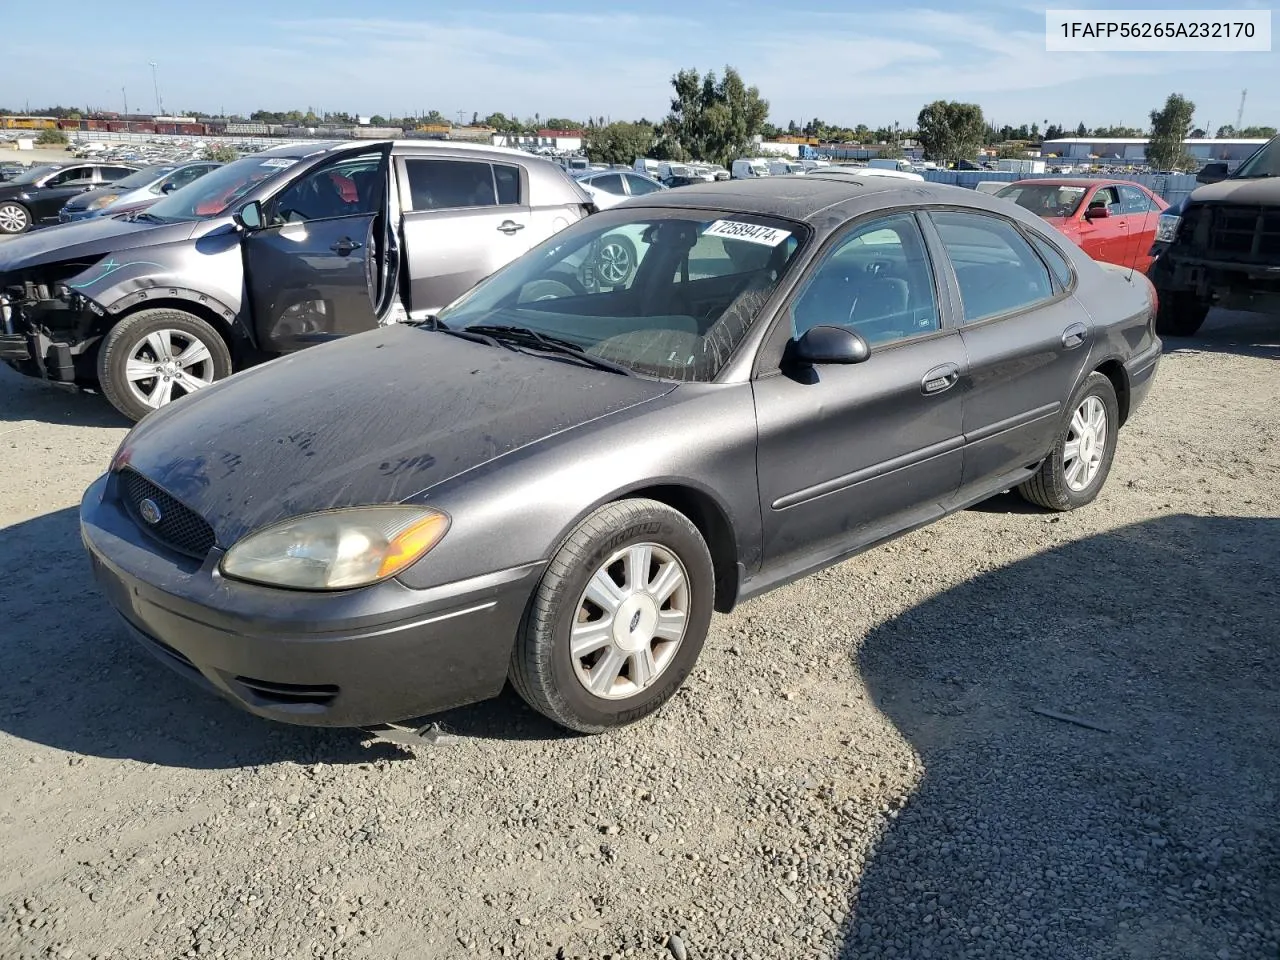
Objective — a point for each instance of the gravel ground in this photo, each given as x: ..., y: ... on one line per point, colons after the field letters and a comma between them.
x: 856, y: 769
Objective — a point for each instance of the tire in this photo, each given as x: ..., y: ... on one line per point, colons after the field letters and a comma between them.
x: 131, y: 339
x: 615, y: 260
x: 1180, y: 315
x: 14, y: 218
x: 545, y: 290
x: 545, y: 672
x: 1054, y: 487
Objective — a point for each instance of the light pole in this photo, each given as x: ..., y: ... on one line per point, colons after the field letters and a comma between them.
x: 125, y: 97
x: 156, y: 83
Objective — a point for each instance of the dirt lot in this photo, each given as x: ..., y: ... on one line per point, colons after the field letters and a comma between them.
x: 857, y: 769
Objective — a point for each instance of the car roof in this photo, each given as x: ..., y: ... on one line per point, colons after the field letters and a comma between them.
x: 1074, y: 182
x: 826, y: 204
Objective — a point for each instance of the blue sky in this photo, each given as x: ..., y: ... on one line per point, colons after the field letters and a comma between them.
x: 847, y: 62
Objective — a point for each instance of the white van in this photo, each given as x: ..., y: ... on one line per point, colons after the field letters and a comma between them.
x: 646, y: 166
x: 748, y: 167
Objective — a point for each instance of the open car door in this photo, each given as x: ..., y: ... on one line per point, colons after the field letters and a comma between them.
x: 324, y: 261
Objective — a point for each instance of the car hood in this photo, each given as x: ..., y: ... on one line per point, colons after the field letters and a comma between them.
x: 82, y: 200
x: 373, y: 418
x: 1264, y: 191
x: 86, y: 238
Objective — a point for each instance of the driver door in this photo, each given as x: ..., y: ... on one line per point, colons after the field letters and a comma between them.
x: 313, y: 270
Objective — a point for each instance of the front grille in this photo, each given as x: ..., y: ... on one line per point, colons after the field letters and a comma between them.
x: 298, y: 695
x: 1241, y: 233
x: 179, y: 527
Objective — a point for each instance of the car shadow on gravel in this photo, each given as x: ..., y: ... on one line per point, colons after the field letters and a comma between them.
x: 1235, y: 332
x: 23, y: 398
x: 71, y: 679
x: 1146, y: 830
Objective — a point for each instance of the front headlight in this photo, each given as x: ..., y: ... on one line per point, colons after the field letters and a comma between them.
x: 337, y: 550
x: 104, y: 201
x: 1167, y: 228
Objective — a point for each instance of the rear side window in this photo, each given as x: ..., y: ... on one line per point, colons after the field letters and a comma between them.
x: 1058, y: 265
x: 1133, y: 200
x: 449, y: 184
x: 609, y: 183
x: 996, y: 268
x: 507, y: 177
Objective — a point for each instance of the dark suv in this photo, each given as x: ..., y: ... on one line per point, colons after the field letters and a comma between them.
x: 1221, y: 245
x: 34, y: 197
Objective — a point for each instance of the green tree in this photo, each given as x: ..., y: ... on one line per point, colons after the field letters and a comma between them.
x: 51, y: 136
x: 1082, y: 130
x: 561, y: 123
x: 949, y: 130
x: 1257, y: 133
x: 619, y: 142
x: 1225, y: 131
x: 221, y: 153
x: 890, y: 151
x: 714, y: 120
x: 1169, y: 128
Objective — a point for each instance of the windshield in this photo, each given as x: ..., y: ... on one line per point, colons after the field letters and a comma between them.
x: 34, y: 174
x: 144, y: 177
x: 1264, y: 163
x: 215, y: 192
x: 1045, y: 199
x: 668, y: 295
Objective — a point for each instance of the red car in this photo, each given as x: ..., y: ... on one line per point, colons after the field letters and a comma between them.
x: 1113, y: 221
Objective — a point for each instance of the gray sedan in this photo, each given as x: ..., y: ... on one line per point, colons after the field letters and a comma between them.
x: 557, y: 484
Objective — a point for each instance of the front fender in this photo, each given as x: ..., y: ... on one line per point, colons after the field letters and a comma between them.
x: 208, y: 271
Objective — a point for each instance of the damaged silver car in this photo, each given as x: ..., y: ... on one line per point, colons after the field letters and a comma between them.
x: 266, y: 255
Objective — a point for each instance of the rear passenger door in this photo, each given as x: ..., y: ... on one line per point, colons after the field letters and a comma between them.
x: 1025, y: 337
x: 462, y: 220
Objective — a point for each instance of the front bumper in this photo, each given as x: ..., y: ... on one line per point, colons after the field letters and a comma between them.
x: 355, y: 658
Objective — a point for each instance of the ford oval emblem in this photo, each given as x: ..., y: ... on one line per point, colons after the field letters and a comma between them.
x: 150, y: 511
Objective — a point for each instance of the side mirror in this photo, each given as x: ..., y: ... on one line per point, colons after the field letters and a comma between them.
x: 169, y: 187
x: 1099, y: 212
x: 249, y: 217
x: 1212, y: 172
x: 820, y: 345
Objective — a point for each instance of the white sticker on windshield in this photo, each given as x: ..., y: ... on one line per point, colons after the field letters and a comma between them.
x: 278, y: 162
x: 750, y: 232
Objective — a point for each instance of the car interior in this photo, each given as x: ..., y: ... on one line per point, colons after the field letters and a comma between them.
x: 685, y: 309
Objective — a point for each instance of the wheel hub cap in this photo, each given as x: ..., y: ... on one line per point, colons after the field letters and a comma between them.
x: 1086, y: 444
x: 635, y: 623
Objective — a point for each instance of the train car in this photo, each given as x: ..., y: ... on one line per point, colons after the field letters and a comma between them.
x: 193, y: 128
x: 169, y: 128
x: 141, y: 126
x: 68, y: 124
x: 117, y: 126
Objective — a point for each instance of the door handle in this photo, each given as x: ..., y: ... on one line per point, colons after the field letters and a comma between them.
x: 344, y: 246
x: 1075, y: 335
x: 940, y: 379
x: 509, y: 227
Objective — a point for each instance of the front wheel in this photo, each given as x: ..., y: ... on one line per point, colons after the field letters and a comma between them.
x: 153, y: 357
x: 615, y: 260
x: 1180, y: 315
x: 619, y: 618
x: 1074, y: 472
x: 14, y: 218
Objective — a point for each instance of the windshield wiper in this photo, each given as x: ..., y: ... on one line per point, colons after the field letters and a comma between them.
x: 148, y: 217
x: 437, y: 325
x: 526, y: 337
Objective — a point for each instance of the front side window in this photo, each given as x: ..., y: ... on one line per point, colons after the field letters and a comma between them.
x: 116, y: 174
x: 350, y: 187
x: 877, y: 281
x: 1108, y: 197
x: 450, y: 184
x: 72, y: 176
x: 668, y: 296
x: 995, y: 267
x: 640, y: 186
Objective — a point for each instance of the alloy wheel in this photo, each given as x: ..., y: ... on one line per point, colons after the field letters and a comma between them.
x: 13, y: 218
x: 165, y: 361
x: 613, y: 264
x: 1086, y: 444
x: 631, y: 619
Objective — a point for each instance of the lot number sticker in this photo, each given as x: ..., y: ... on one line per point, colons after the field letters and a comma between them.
x: 750, y: 232
x: 280, y: 162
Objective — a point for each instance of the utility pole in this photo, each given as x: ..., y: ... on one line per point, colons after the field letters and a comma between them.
x: 1240, y: 112
x: 461, y: 115
x: 125, y: 97
x: 156, y: 83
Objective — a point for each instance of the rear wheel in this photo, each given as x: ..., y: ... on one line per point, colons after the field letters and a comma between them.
x: 615, y: 260
x: 153, y: 357
x: 1074, y: 472
x: 619, y: 618
x: 14, y: 218
x: 1180, y: 315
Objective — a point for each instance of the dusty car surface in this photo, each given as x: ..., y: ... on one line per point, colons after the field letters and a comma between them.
x: 266, y: 255
x: 559, y: 487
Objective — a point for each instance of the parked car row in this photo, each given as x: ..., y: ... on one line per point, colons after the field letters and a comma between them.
x: 550, y: 481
